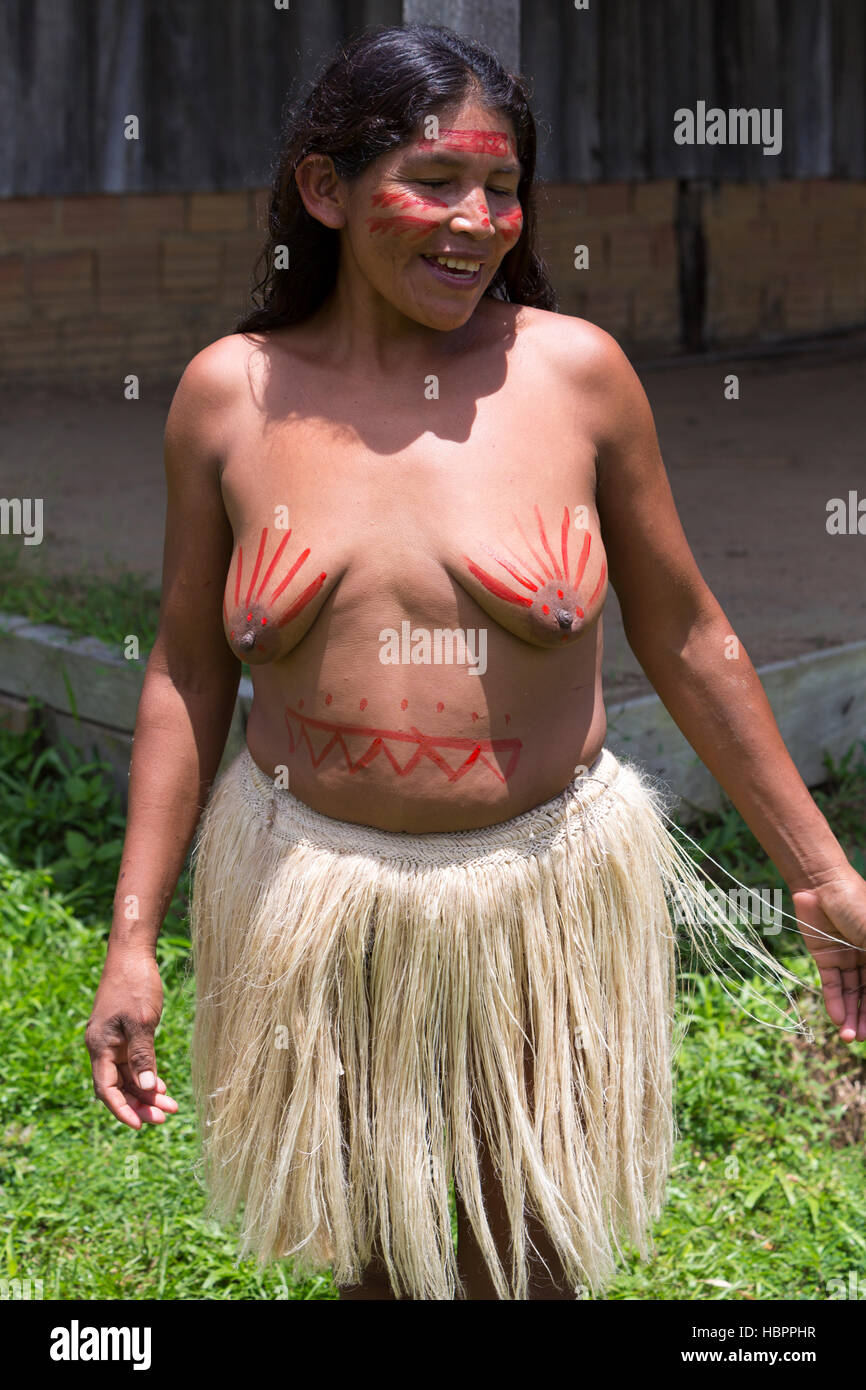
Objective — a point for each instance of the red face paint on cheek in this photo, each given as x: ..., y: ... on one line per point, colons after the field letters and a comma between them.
x: 414, y: 227
x: 397, y: 199
x: 510, y: 224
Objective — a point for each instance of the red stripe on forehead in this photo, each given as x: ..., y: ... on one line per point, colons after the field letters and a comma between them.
x: 474, y: 141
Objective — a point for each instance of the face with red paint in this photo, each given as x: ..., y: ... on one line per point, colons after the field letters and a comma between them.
x: 425, y: 228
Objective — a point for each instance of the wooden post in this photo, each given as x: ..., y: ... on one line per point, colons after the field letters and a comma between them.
x: 494, y: 22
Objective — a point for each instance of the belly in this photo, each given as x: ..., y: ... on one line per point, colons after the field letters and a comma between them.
x: 417, y: 728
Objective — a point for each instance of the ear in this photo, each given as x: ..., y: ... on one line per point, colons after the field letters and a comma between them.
x: 321, y: 189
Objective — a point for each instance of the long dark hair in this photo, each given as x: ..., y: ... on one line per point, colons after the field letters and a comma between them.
x: 369, y: 99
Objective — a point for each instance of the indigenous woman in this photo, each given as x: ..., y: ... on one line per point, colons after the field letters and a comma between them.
x: 434, y: 916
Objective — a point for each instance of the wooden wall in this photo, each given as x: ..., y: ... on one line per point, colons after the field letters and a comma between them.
x: 207, y: 79
x: 608, y: 80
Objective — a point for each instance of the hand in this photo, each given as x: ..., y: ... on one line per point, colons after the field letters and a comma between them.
x: 838, y: 907
x: 119, y: 1038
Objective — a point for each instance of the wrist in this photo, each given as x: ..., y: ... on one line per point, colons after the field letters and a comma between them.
x: 127, y: 941
x: 814, y: 877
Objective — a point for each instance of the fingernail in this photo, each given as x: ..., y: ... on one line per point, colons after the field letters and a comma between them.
x: 146, y: 1080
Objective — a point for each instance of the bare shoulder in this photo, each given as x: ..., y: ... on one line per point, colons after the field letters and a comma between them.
x: 214, y: 385
x: 584, y: 358
x: 574, y: 344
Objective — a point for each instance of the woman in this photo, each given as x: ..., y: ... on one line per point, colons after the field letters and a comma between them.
x: 430, y: 909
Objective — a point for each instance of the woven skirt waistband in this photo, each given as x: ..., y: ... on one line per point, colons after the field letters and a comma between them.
x: 586, y: 797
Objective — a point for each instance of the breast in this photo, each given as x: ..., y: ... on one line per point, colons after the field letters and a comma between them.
x: 544, y: 578
x: 274, y: 591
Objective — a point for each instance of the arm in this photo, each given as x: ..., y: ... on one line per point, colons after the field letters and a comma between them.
x: 682, y: 639
x: 184, y: 713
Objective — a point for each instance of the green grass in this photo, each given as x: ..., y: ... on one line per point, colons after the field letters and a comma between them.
x: 767, y: 1198
x: 85, y: 604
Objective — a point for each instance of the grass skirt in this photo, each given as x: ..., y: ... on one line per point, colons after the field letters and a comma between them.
x: 368, y: 1001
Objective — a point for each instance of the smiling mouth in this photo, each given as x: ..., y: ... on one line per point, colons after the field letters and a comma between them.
x: 457, y: 269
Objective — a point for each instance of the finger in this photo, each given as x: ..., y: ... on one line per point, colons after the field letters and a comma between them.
x: 142, y: 1099
x: 141, y: 1057
x: 831, y: 983
x: 148, y: 1113
x: 851, y: 999
x: 166, y: 1103
x: 106, y: 1088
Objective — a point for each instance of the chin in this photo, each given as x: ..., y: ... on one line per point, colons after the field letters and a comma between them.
x: 444, y: 320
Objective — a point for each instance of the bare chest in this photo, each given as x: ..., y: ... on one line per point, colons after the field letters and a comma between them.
x: 392, y: 512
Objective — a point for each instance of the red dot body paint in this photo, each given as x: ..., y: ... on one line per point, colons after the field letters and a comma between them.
x: 552, y: 576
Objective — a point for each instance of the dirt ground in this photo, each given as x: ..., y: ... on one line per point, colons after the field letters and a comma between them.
x: 751, y: 478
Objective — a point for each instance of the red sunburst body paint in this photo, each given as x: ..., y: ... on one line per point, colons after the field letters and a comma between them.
x: 554, y: 608
x: 248, y: 621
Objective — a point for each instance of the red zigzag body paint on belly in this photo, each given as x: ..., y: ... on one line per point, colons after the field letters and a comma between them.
x: 403, y: 749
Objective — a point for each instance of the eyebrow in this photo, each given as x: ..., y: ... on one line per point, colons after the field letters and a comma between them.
x: 431, y: 157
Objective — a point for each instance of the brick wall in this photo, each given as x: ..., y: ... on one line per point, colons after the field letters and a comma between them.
x: 97, y: 287
x: 106, y: 285
x: 785, y: 259
x: 630, y: 286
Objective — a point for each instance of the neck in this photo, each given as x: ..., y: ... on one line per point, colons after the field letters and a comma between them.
x: 364, y: 331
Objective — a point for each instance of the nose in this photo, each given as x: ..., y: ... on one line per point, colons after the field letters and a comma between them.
x: 474, y: 216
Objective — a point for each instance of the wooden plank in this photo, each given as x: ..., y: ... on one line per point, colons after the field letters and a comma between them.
x: 619, y: 107
x: 544, y: 39
x: 114, y: 51
x: 579, y: 133
x: 663, y: 90
x: 48, y: 663
x: 16, y: 716
x: 806, y: 48
x: 848, y: 71
x: 818, y: 700
x: 680, y: 89
x: 495, y: 23
x: 760, y: 78
x: 363, y: 14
